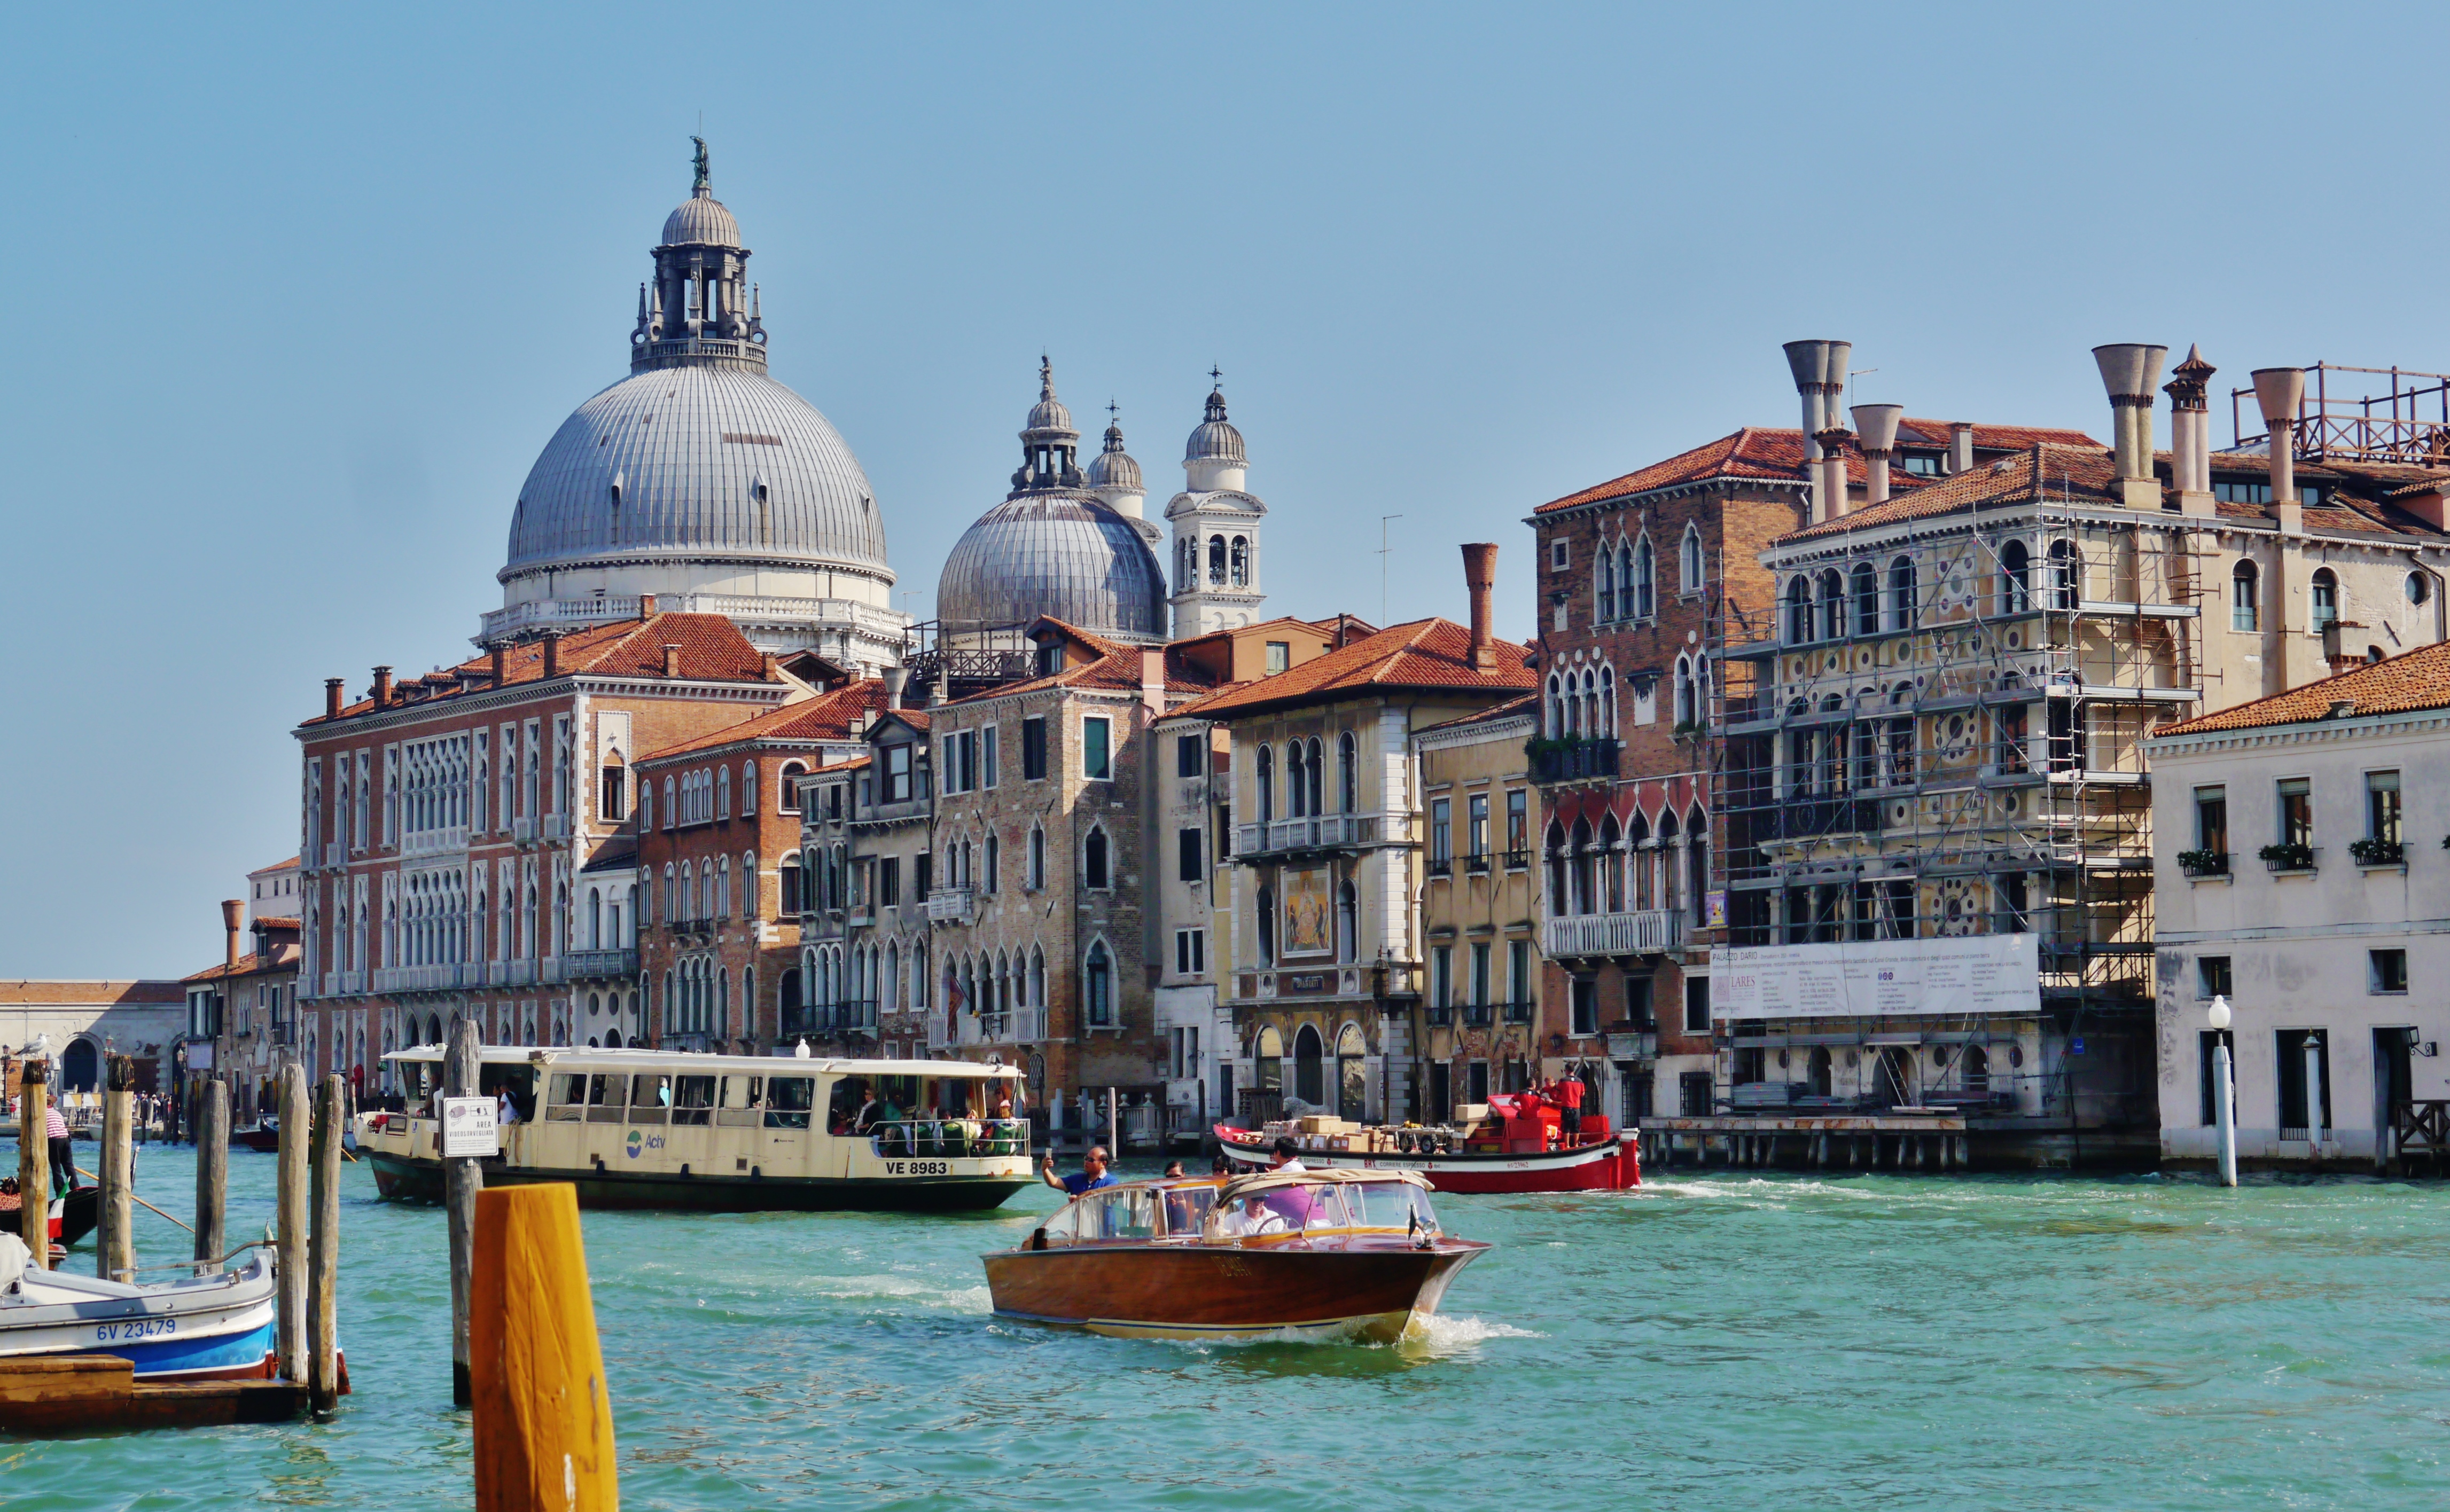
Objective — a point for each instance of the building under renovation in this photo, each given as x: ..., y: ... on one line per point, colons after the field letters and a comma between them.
x: 1937, y: 857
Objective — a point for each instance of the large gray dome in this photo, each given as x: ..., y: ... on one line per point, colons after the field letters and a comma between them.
x: 696, y: 463
x: 1054, y: 553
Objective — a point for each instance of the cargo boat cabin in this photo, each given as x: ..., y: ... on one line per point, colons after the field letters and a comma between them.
x: 729, y: 1133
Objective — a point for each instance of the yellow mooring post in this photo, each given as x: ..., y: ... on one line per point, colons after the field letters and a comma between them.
x: 543, y: 1416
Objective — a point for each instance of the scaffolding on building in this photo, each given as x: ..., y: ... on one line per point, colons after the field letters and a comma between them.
x: 1937, y: 731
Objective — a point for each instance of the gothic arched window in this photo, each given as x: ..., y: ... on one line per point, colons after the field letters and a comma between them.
x: 1241, y: 562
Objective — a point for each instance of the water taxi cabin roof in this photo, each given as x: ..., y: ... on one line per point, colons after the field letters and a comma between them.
x: 1258, y: 1181
x: 682, y: 1064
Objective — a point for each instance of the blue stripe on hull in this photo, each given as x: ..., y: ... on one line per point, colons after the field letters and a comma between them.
x: 225, y: 1352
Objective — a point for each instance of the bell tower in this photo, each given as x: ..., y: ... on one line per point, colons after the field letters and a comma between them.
x: 1215, y: 521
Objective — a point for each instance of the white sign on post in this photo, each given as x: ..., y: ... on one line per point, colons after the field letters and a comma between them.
x: 468, y: 1129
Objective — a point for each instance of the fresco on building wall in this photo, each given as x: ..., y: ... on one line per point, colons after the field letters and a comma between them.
x: 1309, y: 926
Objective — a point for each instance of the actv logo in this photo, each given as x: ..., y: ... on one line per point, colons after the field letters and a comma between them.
x: 636, y: 1143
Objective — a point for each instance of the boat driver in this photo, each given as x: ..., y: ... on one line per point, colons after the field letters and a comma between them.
x: 1092, y: 1174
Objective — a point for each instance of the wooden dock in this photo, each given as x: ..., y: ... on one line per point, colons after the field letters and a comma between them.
x: 87, y: 1393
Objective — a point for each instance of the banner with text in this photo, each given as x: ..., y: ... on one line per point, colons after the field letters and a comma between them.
x: 1968, y: 974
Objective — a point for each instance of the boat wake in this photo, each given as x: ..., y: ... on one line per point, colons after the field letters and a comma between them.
x: 1440, y: 1335
x: 897, y: 1288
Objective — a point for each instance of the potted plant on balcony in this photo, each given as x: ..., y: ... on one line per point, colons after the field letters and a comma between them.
x: 2377, y: 852
x: 2204, y: 863
x: 2287, y: 856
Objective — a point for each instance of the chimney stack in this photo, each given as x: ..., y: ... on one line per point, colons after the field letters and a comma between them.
x: 231, y: 910
x: 896, y: 679
x: 383, y: 687
x: 2190, y: 446
x: 2280, y: 391
x: 672, y: 659
x: 501, y: 668
x: 1960, y: 447
x: 1829, y: 490
x: 1820, y: 369
x: 1153, y: 680
x: 2131, y: 371
x: 551, y: 654
x: 1480, y: 577
x: 646, y: 606
x: 1878, y: 425
x: 333, y: 696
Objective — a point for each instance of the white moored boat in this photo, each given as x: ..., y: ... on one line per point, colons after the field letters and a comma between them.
x: 207, y: 1327
x: 726, y: 1134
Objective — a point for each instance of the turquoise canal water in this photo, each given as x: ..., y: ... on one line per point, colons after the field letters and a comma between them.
x: 1736, y: 1341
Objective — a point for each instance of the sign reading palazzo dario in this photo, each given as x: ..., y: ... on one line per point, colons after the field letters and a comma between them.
x: 1970, y: 974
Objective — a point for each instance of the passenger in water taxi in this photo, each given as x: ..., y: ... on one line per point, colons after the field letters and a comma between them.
x: 1092, y: 1174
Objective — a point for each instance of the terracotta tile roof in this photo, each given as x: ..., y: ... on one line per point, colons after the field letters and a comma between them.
x: 1769, y: 452
x: 1428, y: 655
x: 81, y: 994
x: 712, y: 649
x: 851, y: 766
x: 2082, y: 473
x: 281, y: 958
x: 276, y: 922
x: 828, y: 716
x: 1117, y: 668
x: 277, y: 865
x: 1527, y: 703
x: 2414, y: 680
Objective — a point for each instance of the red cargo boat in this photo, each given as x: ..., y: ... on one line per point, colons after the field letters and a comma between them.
x: 1517, y: 1148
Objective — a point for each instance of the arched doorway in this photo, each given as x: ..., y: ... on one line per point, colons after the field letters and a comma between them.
x: 1977, y: 1071
x: 80, y: 1067
x: 1892, y: 1080
x: 1269, y: 1060
x: 1351, y: 1080
x: 1309, y: 1066
x: 1819, y: 1072
x: 612, y: 1039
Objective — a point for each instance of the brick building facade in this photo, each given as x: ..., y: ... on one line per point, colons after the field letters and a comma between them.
x: 447, y: 822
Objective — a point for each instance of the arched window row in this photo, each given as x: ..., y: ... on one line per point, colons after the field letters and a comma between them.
x: 1647, y: 865
x: 1582, y: 702
x: 1625, y: 580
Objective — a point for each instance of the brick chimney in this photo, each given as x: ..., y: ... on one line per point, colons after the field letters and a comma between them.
x: 231, y: 909
x: 765, y: 667
x: 646, y: 606
x: 552, y: 653
x: 672, y: 659
x: 1153, y: 680
x: 383, y: 687
x: 1480, y: 577
x: 501, y: 650
x: 333, y: 696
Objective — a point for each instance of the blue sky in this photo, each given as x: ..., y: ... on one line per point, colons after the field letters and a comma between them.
x: 298, y: 294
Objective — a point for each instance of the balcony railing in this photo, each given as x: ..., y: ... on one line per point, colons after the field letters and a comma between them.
x: 1441, y: 865
x: 1477, y: 1015
x: 1571, y: 761
x: 1644, y: 932
x: 335, y: 854
x: 1517, y: 860
x: 523, y: 828
x: 1476, y: 863
x: 584, y: 964
x: 557, y: 826
x: 950, y: 905
x: 1321, y: 832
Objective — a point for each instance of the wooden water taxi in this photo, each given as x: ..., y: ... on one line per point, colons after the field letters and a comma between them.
x: 720, y: 1133
x: 1310, y: 1254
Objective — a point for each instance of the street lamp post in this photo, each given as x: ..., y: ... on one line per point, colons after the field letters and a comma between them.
x: 2224, y: 1089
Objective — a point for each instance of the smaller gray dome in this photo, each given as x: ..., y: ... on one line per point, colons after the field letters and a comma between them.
x: 701, y: 220
x: 1114, y: 467
x: 1054, y: 553
x: 1048, y: 417
x: 1213, y: 440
